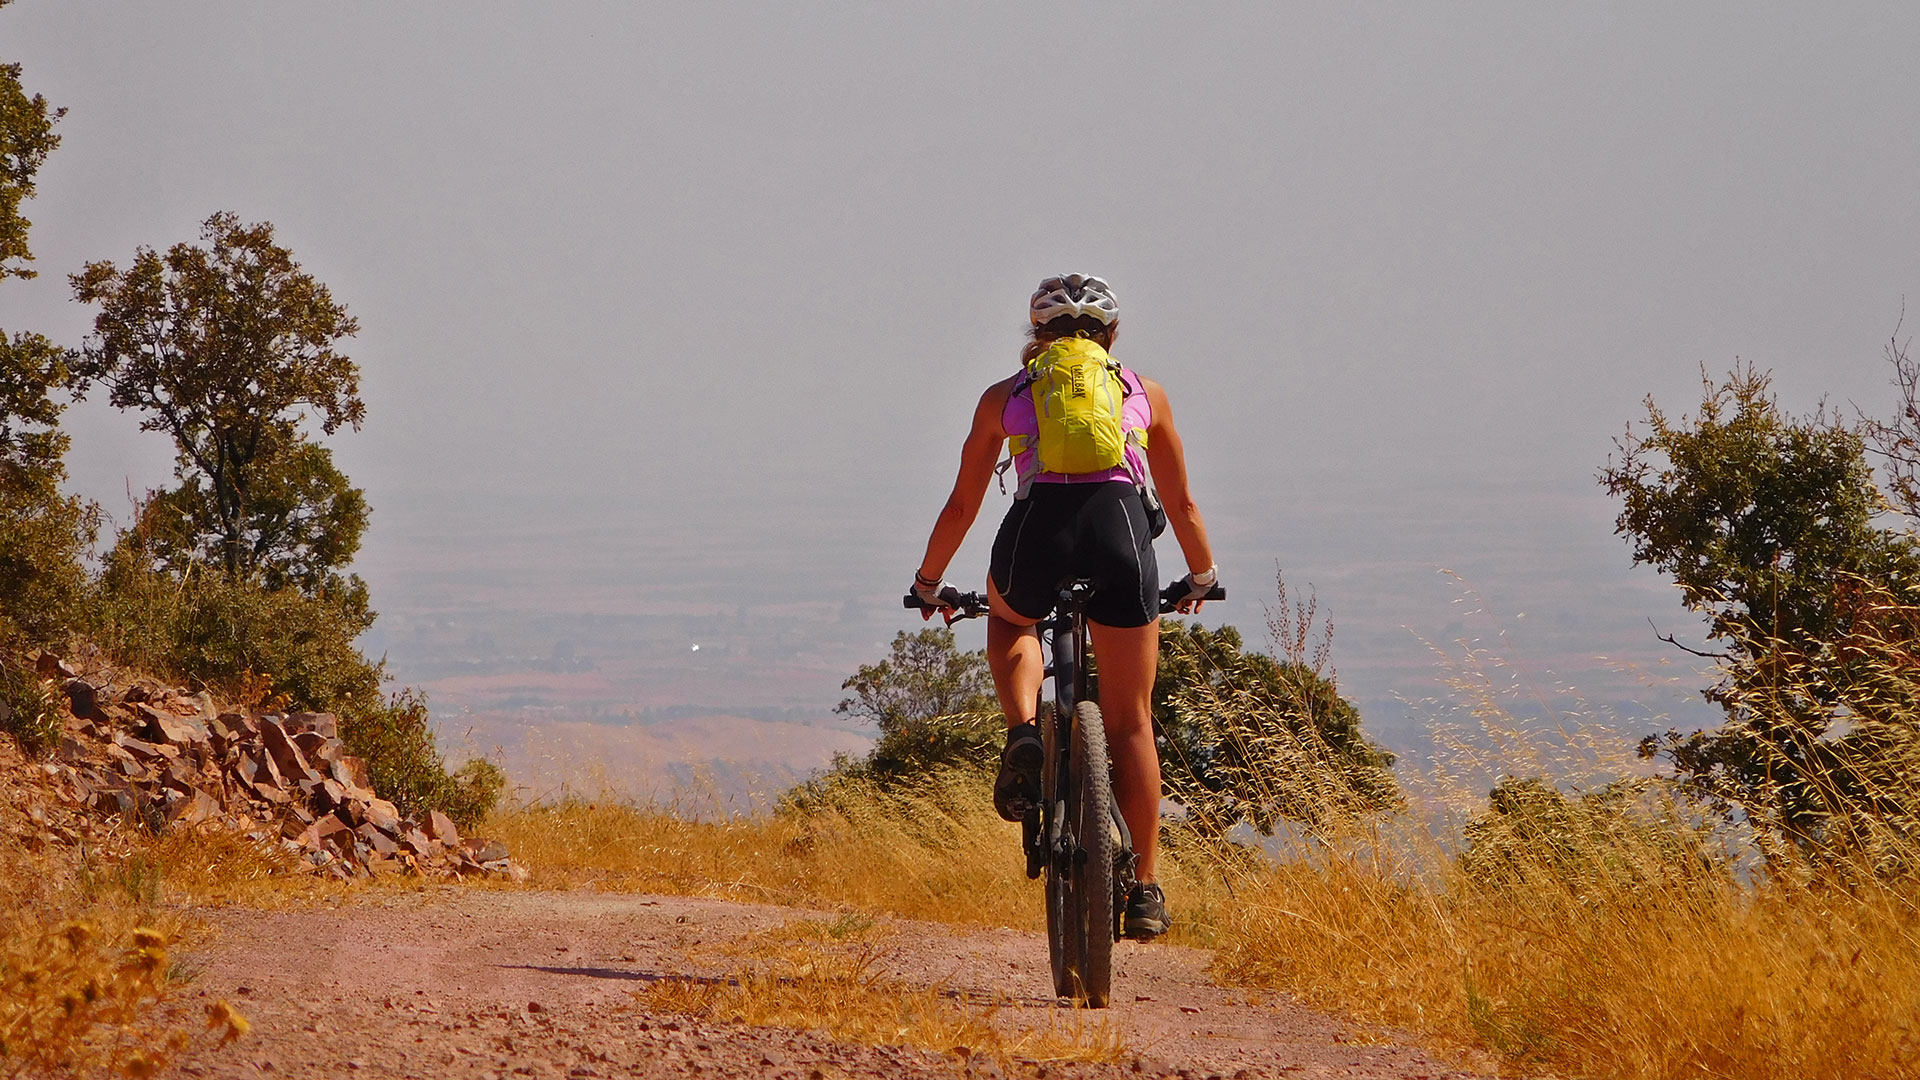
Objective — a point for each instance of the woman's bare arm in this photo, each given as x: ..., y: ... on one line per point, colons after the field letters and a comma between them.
x: 977, y: 457
x: 1168, y: 460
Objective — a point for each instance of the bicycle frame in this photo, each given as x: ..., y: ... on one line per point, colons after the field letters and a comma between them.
x: 1067, y: 667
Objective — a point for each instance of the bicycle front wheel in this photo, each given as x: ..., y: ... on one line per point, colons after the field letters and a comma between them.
x: 1090, y: 814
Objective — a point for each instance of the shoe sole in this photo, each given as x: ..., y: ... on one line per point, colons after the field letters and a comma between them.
x: 1029, y: 773
x: 1147, y: 929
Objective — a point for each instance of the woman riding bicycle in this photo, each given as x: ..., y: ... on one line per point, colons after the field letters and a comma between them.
x: 1064, y: 525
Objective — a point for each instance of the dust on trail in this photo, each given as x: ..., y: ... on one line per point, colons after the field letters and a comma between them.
x: 464, y: 983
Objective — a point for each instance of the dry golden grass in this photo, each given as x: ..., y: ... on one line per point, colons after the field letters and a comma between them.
x: 84, y: 954
x: 92, y: 917
x: 830, y: 976
x: 935, y: 851
x: 1616, y: 937
x: 1716, y: 979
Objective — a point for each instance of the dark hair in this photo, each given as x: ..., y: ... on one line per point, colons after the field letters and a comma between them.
x: 1085, y: 326
x: 1069, y: 325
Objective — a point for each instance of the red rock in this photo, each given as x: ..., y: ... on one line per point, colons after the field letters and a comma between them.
x: 382, y: 815
x: 484, y: 851
x: 146, y: 751
x: 352, y: 772
x: 70, y: 752
x: 286, y: 756
x: 317, y: 748
x: 163, y: 726
x: 116, y: 802
x: 82, y: 697
x: 326, y: 725
x: 440, y: 827
x: 50, y: 666
x: 323, y: 827
x: 194, y: 809
x: 328, y: 794
x: 378, y: 840
x: 126, y: 763
x: 180, y: 776
x: 256, y: 767
x: 420, y: 843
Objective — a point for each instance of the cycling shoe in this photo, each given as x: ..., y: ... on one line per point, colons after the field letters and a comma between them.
x: 1146, y: 912
x: 1016, y: 791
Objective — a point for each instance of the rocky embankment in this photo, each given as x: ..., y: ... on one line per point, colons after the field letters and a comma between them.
x: 162, y: 757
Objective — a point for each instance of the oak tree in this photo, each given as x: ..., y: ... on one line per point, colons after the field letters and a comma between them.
x: 228, y: 347
x: 43, y: 533
x: 1771, y: 526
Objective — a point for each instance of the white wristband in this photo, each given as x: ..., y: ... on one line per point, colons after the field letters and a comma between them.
x: 1205, y: 577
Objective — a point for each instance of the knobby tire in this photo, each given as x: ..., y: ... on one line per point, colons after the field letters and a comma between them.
x: 1090, y: 807
x: 1062, y: 954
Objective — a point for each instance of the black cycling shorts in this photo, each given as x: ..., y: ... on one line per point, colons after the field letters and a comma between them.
x: 1062, y: 531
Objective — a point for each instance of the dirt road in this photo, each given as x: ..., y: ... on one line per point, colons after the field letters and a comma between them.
x: 504, y: 984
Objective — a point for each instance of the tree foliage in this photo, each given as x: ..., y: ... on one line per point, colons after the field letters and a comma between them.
x: 1898, y: 440
x: 26, y: 138
x: 1770, y: 526
x: 225, y: 632
x: 304, y: 520
x: 227, y: 348
x: 933, y: 704
x: 43, y: 533
x: 1619, y: 839
x: 1246, y: 737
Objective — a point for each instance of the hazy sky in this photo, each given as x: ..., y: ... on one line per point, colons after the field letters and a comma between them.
x: 1404, y: 270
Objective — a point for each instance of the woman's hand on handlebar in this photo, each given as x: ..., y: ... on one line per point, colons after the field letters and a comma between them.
x: 949, y: 602
x: 1186, y: 596
x: 934, y: 596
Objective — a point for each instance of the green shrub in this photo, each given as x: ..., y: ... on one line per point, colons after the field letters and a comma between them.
x: 1248, y: 738
x: 223, y: 633
x: 935, y: 709
x: 30, y: 708
x: 44, y: 535
x: 1625, y: 836
x: 396, y: 739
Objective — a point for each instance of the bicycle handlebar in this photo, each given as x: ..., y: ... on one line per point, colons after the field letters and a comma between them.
x: 964, y: 605
x: 1172, y: 595
x: 972, y: 605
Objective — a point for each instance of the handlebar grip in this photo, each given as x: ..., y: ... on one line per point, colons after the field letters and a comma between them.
x: 1172, y: 595
x: 968, y: 605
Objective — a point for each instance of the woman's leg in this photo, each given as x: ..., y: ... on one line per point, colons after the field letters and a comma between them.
x: 1128, y: 657
x: 1013, y: 656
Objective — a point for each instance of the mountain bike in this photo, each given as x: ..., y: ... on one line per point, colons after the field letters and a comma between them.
x: 1076, y: 837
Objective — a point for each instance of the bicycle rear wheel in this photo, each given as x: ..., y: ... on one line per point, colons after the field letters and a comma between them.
x: 1063, y: 948
x: 1090, y: 811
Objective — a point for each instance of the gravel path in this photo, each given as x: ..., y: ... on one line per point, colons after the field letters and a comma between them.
x: 465, y: 983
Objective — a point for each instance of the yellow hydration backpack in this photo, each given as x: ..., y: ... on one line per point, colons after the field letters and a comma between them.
x: 1077, y: 396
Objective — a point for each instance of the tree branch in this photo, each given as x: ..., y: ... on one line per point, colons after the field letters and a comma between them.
x: 1668, y: 638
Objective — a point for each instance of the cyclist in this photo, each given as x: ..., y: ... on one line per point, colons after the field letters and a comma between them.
x: 1094, y: 526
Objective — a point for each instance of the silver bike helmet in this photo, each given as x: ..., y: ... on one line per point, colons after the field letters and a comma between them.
x: 1073, y: 295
